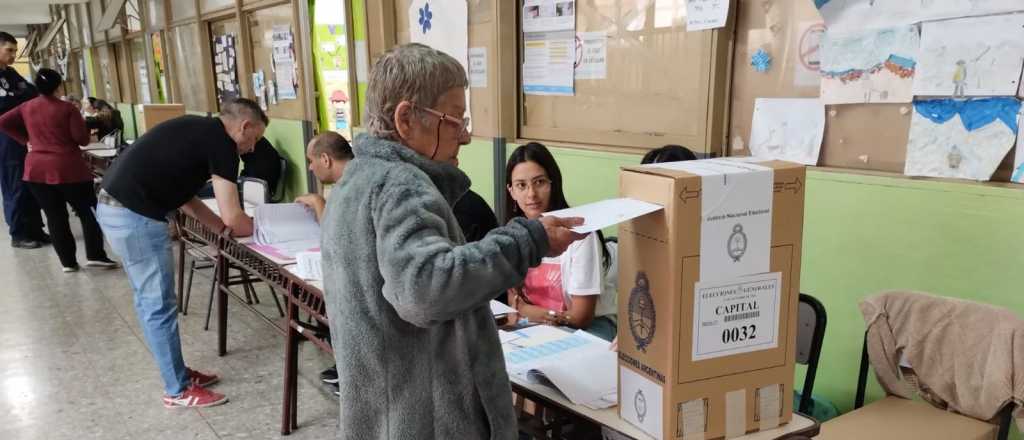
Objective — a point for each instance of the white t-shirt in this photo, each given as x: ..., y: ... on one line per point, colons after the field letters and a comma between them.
x: 578, y: 271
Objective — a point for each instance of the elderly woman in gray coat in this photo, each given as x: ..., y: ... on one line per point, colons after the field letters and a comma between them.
x: 415, y: 342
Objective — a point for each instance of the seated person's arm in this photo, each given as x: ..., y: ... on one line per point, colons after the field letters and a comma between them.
x: 315, y: 202
x: 231, y: 211
x: 581, y: 311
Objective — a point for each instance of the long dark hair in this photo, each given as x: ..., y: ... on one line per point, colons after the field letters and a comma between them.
x: 539, y: 154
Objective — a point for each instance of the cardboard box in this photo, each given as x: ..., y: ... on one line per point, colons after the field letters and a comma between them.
x: 894, y: 417
x: 708, y: 303
x: 151, y: 115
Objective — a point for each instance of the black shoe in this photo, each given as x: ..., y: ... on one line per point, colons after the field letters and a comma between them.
x: 43, y: 238
x: 26, y: 244
x: 330, y: 375
x: 104, y: 263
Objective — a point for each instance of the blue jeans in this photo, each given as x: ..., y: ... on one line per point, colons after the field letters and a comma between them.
x: 145, y: 250
x: 603, y: 327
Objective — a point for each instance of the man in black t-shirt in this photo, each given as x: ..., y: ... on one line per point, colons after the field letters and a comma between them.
x: 21, y: 211
x: 159, y: 174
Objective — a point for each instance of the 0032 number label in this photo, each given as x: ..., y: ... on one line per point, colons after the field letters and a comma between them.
x: 739, y: 334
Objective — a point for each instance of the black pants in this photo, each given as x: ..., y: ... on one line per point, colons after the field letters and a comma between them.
x: 81, y: 197
x: 20, y: 209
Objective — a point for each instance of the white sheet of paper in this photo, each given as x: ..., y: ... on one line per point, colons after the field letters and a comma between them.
x: 549, y: 15
x: 585, y: 379
x: 737, y: 315
x: 600, y: 215
x: 362, y: 62
x: 736, y: 217
x: 548, y: 60
x: 592, y: 61
x: 788, y: 129
x: 309, y: 265
x: 478, y: 67
x: 1018, y: 157
x: 706, y: 14
x: 499, y: 308
x: 873, y: 14
x: 866, y: 66
x: 640, y: 401
x: 504, y: 336
x: 971, y: 57
x: 949, y: 149
x: 277, y: 223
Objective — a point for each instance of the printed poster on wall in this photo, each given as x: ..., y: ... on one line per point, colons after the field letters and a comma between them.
x: 549, y: 47
x: 283, y: 49
x: 330, y: 47
x: 706, y: 14
x: 591, y: 55
x: 549, y: 15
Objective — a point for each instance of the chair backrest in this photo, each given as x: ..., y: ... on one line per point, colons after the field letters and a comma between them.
x: 279, y: 191
x: 254, y: 191
x: 810, y: 333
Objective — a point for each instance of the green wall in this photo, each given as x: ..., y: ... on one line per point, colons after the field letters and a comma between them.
x: 864, y: 234
x: 286, y: 136
x: 128, y: 115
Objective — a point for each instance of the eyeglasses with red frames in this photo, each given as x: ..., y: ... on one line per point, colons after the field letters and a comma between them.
x: 463, y: 123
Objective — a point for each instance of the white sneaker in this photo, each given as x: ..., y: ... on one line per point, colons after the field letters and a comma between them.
x: 103, y: 264
x: 70, y: 269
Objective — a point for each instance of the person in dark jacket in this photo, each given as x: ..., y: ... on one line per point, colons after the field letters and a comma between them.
x: 21, y: 211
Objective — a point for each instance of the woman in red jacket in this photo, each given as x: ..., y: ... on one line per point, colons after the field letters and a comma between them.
x: 55, y: 170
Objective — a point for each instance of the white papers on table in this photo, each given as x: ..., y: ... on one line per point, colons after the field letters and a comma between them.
x: 505, y: 336
x: 499, y: 308
x: 284, y: 222
x: 600, y: 215
x: 309, y: 265
x: 578, y: 364
x: 788, y: 129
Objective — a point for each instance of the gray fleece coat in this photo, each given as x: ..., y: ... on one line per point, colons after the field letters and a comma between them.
x: 415, y: 343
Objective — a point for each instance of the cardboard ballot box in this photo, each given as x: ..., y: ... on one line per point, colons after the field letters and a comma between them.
x: 708, y: 293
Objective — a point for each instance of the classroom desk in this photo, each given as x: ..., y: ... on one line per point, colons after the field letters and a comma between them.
x: 99, y: 157
x: 306, y: 297
x: 609, y: 417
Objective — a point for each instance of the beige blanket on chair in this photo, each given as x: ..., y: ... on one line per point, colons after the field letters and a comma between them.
x: 968, y: 357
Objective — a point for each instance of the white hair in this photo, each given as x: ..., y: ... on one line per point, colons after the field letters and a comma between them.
x: 410, y: 72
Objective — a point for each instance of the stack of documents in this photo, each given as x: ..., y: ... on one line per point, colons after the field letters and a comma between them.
x: 579, y: 364
x: 286, y: 229
x: 308, y: 265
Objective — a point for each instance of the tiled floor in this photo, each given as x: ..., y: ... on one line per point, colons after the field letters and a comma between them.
x: 73, y: 364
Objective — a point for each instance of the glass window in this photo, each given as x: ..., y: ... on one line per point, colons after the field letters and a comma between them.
x: 215, y: 5
x: 188, y: 67
x: 155, y: 14
x: 133, y: 15
x: 137, y: 48
x: 181, y: 9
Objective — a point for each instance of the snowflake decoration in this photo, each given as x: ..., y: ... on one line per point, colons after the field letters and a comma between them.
x: 761, y: 61
x: 425, y: 17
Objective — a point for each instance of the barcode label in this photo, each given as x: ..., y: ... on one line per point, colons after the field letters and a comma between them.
x: 742, y: 316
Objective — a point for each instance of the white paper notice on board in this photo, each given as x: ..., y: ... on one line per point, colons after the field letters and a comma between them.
x: 600, y: 215
x: 549, y: 15
x: 478, y: 67
x: 706, y: 14
x: 788, y: 129
x: 592, y: 55
x: 548, y: 60
x: 736, y: 316
x: 640, y: 402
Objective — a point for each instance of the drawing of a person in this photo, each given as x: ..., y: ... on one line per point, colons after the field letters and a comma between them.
x: 959, y: 78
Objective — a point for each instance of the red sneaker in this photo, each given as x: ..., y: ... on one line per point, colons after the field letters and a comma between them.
x: 200, y: 379
x: 195, y: 397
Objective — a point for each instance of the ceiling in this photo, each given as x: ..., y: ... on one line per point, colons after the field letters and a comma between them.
x: 22, y: 12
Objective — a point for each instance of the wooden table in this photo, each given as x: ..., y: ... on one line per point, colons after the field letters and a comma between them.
x: 609, y: 417
x: 306, y: 297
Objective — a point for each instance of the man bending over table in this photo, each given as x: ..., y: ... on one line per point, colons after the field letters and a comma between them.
x: 160, y: 173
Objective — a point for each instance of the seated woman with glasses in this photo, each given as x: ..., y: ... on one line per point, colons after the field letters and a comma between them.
x: 568, y: 289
